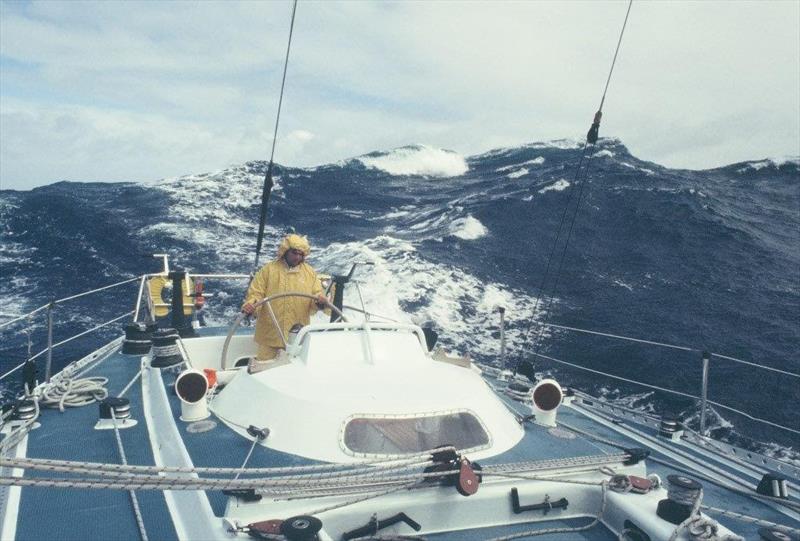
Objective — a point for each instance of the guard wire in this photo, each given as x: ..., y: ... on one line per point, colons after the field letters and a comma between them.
x: 589, y: 141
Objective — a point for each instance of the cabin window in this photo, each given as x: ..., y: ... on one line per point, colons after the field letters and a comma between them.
x: 388, y: 435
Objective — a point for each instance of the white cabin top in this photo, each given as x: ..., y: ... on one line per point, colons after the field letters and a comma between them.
x: 346, y: 392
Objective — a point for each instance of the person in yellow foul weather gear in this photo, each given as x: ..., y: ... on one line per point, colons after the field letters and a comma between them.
x: 287, y: 273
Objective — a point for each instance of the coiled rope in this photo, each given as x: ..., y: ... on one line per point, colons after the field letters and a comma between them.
x: 73, y: 393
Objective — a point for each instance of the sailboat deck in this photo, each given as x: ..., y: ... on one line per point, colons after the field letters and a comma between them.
x: 69, y: 513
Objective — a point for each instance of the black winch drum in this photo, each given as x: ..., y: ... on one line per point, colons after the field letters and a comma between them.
x: 137, y: 338
x: 165, y: 348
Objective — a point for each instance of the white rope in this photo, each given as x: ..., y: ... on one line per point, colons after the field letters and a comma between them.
x: 697, y: 525
x: 247, y: 458
x: 134, y: 500
x: 130, y: 383
x: 155, y: 482
x: 725, y: 484
x: 757, y: 521
x: 98, y: 468
x: 20, y: 432
x: 364, y: 498
x: 68, y: 392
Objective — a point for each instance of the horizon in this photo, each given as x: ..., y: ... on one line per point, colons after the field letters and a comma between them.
x: 141, y: 91
x: 599, y: 147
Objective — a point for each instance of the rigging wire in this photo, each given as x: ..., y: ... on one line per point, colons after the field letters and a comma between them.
x: 591, y: 139
x: 268, y: 182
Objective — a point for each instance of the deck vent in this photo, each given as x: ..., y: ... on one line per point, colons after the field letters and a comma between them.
x: 166, y: 351
x: 546, y: 397
x: 191, y: 387
x: 137, y: 338
x: 121, y: 410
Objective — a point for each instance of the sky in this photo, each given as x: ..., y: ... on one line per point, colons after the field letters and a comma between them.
x: 139, y: 91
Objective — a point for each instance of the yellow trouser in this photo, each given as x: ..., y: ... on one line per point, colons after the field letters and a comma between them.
x: 267, y: 353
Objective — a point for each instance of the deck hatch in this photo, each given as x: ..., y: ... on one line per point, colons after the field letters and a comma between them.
x: 397, y: 435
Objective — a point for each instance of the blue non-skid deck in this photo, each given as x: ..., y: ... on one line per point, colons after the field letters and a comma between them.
x: 79, y: 514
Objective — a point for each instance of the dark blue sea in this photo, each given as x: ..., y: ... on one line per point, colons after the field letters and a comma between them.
x: 709, y: 260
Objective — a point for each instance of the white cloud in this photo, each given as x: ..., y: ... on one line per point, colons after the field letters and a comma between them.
x: 696, y: 84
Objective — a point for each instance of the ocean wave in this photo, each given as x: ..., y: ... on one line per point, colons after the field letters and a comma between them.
x: 770, y: 163
x: 558, y: 186
x: 469, y: 228
x: 518, y: 173
x: 399, y: 283
x: 535, y: 161
x: 421, y: 160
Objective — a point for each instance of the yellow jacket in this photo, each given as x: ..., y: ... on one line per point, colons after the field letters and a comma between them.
x: 277, y: 277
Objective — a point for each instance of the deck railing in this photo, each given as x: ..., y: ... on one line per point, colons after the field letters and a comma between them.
x: 143, y: 296
x: 705, y: 356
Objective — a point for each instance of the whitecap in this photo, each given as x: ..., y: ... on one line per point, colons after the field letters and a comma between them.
x: 561, y: 144
x: 469, y: 228
x: 769, y: 162
x: 400, y: 284
x: 518, y: 173
x: 418, y: 160
x: 558, y: 186
x: 535, y: 161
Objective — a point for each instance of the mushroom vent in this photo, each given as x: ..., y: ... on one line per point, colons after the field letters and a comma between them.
x: 191, y: 387
x: 546, y: 397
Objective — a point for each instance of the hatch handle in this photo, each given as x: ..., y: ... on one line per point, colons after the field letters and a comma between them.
x: 372, y: 527
x: 545, y: 506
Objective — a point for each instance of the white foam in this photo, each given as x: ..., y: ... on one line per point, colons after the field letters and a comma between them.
x: 469, y: 228
x: 418, y: 160
x: 561, y: 144
x: 558, y: 186
x: 769, y: 162
x: 518, y: 173
x: 623, y: 284
x: 603, y: 153
x: 535, y: 161
x: 402, y: 285
x: 642, y: 169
